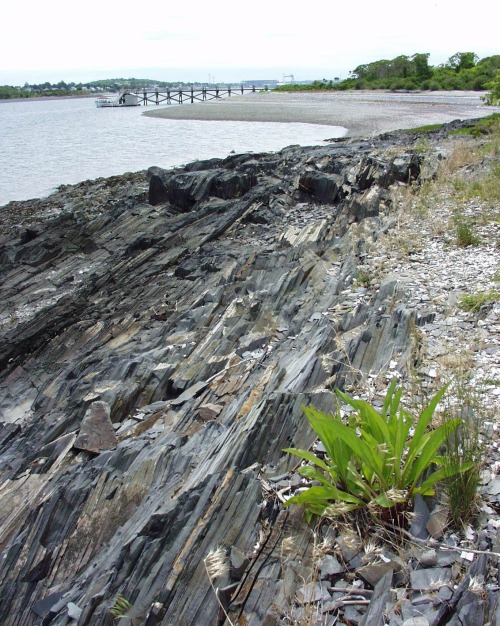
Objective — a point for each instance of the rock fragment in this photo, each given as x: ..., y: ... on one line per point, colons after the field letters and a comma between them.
x: 96, y: 431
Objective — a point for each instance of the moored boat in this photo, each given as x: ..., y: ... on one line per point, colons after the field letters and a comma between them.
x: 124, y: 99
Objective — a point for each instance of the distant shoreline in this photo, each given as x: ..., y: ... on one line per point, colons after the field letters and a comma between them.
x: 363, y: 113
x: 42, y: 98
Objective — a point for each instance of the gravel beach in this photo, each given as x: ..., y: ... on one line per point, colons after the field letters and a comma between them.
x: 360, y: 113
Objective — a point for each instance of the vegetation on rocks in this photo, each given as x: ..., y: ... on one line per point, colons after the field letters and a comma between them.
x: 465, y: 235
x: 377, y: 460
x: 474, y: 301
x: 120, y: 608
x: 452, y: 349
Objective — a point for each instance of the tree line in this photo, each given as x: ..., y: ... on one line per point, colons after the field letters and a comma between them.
x: 462, y: 71
x: 77, y: 89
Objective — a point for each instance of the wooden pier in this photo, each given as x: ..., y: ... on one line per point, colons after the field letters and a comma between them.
x: 194, y: 94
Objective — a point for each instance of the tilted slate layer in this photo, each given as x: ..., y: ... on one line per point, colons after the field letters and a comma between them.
x: 218, y: 284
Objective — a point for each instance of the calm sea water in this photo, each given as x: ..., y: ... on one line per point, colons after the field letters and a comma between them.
x: 53, y: 142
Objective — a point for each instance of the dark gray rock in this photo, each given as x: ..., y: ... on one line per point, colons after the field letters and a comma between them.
x: 374, y: 572
x: 420, y: 518
x: 428, y: 558
x: 158, y: 193
x: 324, y: 188
x: 329, y: 566
x: 430, y: 578
x: 42, y: 607
x: 239, y: 563
x: 183, y: 190
x: 311, y: 593
x: 382, y: 595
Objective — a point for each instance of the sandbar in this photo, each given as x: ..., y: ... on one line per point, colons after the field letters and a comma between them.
x: 361, y: 113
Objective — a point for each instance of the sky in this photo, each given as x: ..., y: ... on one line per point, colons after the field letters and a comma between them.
x: 229, y: 41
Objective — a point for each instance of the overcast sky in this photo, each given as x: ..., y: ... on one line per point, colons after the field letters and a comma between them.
x: 228, y: 40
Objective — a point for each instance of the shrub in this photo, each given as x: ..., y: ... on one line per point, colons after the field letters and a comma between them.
x: 378, y: 461
x: 493, y: 97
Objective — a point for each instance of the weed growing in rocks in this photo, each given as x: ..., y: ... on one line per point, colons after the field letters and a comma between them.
x: 474, y: 301
x: 362, y: 278
x: 485, y: 188
x: 120, y: 608
x: 378, y: 461
x: 216, y: 566
x: 464, y: 234
x: 464, y: 445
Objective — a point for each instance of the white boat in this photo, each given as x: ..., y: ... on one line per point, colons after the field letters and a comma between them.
x: 123, y: 99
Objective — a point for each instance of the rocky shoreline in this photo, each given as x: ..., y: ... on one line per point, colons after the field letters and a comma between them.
x: 160, y: 333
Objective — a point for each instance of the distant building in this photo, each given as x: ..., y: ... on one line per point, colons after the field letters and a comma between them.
x: 260, y: 83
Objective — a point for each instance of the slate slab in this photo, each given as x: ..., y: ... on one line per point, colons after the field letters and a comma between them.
x: 375, y: 613
x: 96, y: 431
x: 430, y: 578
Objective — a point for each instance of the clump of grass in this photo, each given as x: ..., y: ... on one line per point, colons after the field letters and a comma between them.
x: 474, y: 301
x: 464, y: 234
x: 464, y: 446
x: 422, y: 146
x: 485, y: 188
x: 362, y: 278
x: 464, y: 153
x: 429, y: 128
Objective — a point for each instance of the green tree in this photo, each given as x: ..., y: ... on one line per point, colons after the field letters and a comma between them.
x: 401, y: 67
x: 463, y: 61
x: 421, y: 62
x: 493, y: 97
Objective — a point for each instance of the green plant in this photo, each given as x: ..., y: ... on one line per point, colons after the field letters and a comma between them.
x: 493, y: 97
x: 377, y: 460
x: 464, y: 445
x: 121, y: 607
x: 464, y: 234
x: 428, y: 128
x: 474, y: 301
x: 362, y: 278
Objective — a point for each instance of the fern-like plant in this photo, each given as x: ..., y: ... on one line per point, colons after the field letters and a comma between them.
x: 378, y: 460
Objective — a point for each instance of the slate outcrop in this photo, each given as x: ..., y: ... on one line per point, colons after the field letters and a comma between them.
x: 159, y: 335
